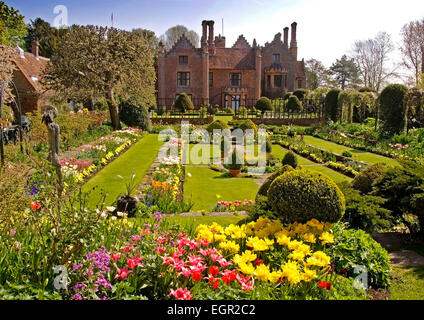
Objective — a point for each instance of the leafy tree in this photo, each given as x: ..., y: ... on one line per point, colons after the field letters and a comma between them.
x: 12, y: 26
x: 150, y: 37
x: 172, y: 35
x: 98, y: 62
x: 346, y: 73
x: 46, y: 35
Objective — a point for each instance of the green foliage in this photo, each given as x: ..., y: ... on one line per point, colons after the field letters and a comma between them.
x: 391, y: 108
x: 235, y: 162
x: 135, y: 116
x: 331, y: 105
x: 262, y: 208
x: 46, y: 35
x: 301, y: 195
x: 346, y: 72
x: 294, y: 104
x: 347, y: 154
x: 290, y: 159
x: 245, y: 125
x: 365, y: 179
x: 79, y: 67
x: 300, y: 93
x: 183, y: 103
x: 403, y: 187
x: 12, y: 26
x: 217, y: 125
x: 263, y: 104
x: 354, y: 248
x: 365, y: 212
x: 263, y: 190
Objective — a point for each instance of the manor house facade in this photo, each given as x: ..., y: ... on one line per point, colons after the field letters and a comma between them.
x: 230, y: 77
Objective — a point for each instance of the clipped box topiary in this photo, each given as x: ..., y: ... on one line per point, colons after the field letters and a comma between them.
x: 263, y: 104
x: 300, y: 195
x: 263, y: 190
x: 183, y: 103
x: 290, y: 159
x: 364, y: 180
x: 135, y: 116
x: 217, y: 125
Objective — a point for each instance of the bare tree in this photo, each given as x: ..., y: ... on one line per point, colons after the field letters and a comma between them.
x: 372, y: 57
x: 317, y: 75
x: 413, y: 47
x: 172, y: 35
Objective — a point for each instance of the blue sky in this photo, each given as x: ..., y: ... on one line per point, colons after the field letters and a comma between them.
x: 326, y: 28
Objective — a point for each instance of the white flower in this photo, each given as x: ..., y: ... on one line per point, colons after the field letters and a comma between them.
x: 110, y: 209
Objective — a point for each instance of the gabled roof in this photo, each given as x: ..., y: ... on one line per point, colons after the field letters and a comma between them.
x: 32, y: 68
x: 183, y: 43
x: 230, y: 58
x: 241, y: 43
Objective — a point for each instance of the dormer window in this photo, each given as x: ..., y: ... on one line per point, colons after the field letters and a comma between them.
x: 276, y: 57
x: 183, y: 59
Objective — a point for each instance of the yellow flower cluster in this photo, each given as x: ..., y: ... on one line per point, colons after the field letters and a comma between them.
x: 297, y: 243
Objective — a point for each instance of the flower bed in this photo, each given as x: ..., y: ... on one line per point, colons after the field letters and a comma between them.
x: 258, y: 260
x: 78, y: 167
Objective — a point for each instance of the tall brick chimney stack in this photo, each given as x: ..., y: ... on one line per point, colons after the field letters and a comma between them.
x: 35, y: 48
x: 211, y: 39
x: 204, y: 40
x: 293, y: 42
x: 286, y: 36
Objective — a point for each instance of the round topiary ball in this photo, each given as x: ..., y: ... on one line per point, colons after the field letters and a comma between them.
x: 217, y: 125
x: 301, y: 195
x: 135, y: 116
x: 290, y: 159
x: 263, y: 104
x: 246, y: 125
x: 294, y: 104
x: 183, y: 103
x: 263, y: 190
x: 364, y: 180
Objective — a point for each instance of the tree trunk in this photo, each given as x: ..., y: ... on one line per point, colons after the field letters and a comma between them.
x: 113, y: 110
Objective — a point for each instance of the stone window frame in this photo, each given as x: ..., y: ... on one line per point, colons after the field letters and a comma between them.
x: 210, y: 79
x: 281, y: 77
x: 274, y: 55
x: 238, y: 79
x: 183, y: 60
x: 183, y: 82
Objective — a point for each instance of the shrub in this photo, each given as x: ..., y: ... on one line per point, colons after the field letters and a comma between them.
x: 364, y: 212
x: 264, y: 104
x: 183, y: 103
x: 347, y: 154
x: 242, y: 113
x: 364, y: 180
x: 391, y: 108
x: 245, y: 125
x: 203, y: 112
x: 234, y: 165
x: 290, y: 159
x: 262, y: 208
x: 135, y: 116
x: 330, y: 105
x: 404, y: 190
x: 354, y: 248
x: 212, y: 110
x: 300, y: 93
x: 287, y: 95
x: 217, y: 125
x: 302, y: 195
x: 101, y: 105
x: 294, y: 104
x: 263, y: 190
x: 161, y: 111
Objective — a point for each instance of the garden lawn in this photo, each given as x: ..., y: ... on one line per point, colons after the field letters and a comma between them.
x: 136, y: 160
x: 204, y: 185
x: 408, y: 284
x: 360, y: 155
x: 279, y: 152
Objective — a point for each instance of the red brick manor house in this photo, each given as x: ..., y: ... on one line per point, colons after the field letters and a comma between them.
x: 230, y: 77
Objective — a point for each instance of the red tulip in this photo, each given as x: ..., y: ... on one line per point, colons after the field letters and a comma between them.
x: 197, y: 276
x: 122, y: 273
x: 213, y: 270
x: 35, y: 205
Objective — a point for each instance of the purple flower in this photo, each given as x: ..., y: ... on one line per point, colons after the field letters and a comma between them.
x: 76, y: 267
x: 158, y: 216
x: 77, y: 296
x: 100, y: 259
x: 80, y: 286
x: 103, y: 282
